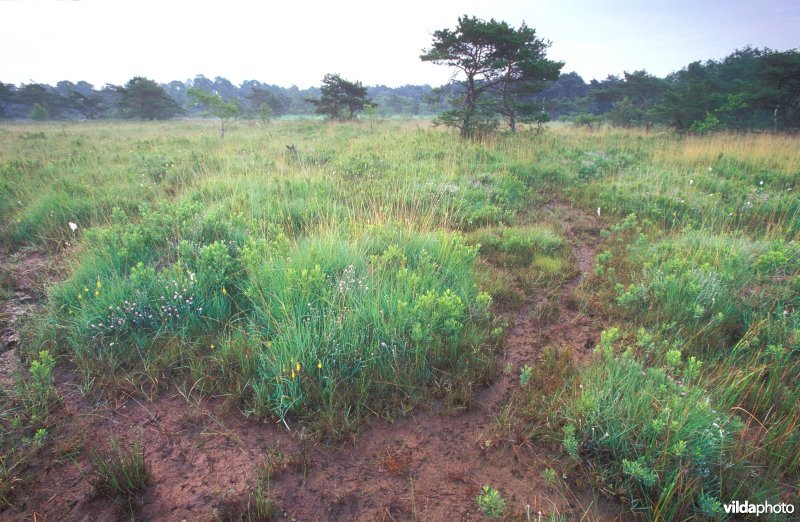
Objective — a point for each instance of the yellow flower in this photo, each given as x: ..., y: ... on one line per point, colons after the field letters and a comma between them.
x: 293, y: 375
x: 269, y: 344
x: 85, y: 290
x: 96, y: 293
x: 99, y: 284
x: 319, y: 364
x: 224, y: 292
x: 212, y: 346
x: 80, y: 297
x: 298, y: 366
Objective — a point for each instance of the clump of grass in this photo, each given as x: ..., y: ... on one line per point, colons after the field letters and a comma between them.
x: 731, y: 301
x: 501, y: 284
x: 518, y: 246
x: 257, y: 507
x: 516, y: 260
x: 366, y: 323
x: 11, y: 477
x: 121, y: 474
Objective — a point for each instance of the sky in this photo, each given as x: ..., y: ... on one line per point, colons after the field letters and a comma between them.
x: 296, y: 42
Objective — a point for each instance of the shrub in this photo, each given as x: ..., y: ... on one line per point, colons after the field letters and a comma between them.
x: 491, y: 503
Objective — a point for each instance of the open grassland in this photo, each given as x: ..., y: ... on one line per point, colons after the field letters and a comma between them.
x: 383, y: 265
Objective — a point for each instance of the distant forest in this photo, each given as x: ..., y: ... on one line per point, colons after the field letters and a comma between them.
x: 751, y: 89
x: 83, y: 101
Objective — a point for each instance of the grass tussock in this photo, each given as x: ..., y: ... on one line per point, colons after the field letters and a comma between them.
x: 120, y: 474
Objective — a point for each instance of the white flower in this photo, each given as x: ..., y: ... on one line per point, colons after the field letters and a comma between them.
x: 709, y: 169
x: 761, y: 182
x: 598, y: 211
x: 691, y: 181
x: 73, y: 226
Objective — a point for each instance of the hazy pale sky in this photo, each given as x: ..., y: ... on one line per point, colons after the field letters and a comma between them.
x: 377, y: 42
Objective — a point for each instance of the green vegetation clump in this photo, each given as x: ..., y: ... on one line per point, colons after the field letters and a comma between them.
x: 491, y: 503
x: 522, y: 258
x: 656, y: 438
x: 333, y: 321
x: 257, y: 507
x: 515, y: 247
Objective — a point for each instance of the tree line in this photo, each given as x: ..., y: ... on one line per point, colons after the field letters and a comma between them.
x: 142, y: 98
x: 751, y: 89
x: 503, y: 78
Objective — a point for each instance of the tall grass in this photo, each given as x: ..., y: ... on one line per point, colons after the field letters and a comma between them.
x: 340, y: 319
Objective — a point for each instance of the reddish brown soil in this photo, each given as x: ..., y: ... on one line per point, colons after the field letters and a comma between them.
x: 429, y: 465
x: 21, y: 275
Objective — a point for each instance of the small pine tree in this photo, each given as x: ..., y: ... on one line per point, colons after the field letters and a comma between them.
x: 341, y: 99
x: 38, y: 113
x: 265, y: 112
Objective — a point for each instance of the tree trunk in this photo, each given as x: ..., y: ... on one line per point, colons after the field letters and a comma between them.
x: 508, y: 105
x: 469, y: 106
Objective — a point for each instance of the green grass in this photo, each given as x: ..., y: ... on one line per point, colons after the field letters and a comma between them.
x: 372, y: 270
x: 334, y: 321
x: 257, y: 507
x: 120, y: 474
